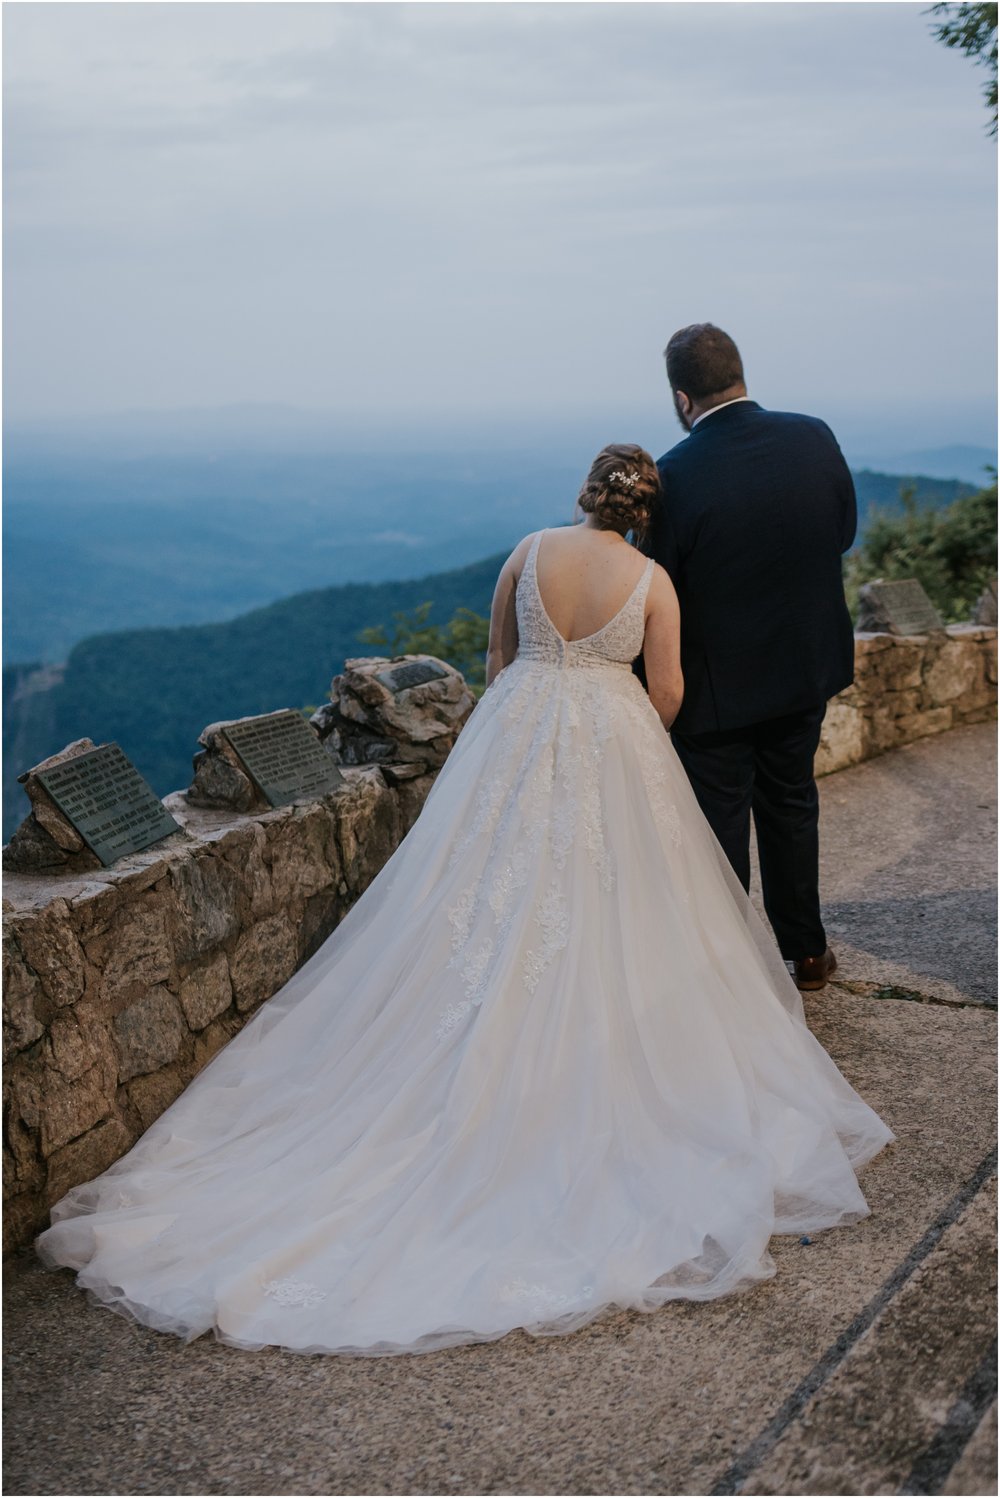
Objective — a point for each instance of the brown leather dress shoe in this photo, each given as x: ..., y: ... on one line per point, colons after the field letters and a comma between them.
x: 815, y: 972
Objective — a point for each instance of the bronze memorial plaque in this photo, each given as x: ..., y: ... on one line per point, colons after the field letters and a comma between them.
x: 109, y: 803
x: 897, y: 608
x: 284, y: 757
x: 410, y: 674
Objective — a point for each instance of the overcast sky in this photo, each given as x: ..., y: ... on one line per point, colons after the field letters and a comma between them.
x: 446, y: 210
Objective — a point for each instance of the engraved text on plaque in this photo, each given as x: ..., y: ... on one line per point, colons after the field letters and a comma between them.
x: 109, y: 803
x: 284, y: 757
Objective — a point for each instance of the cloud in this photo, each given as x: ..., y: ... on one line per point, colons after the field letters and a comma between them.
x: 463, y: 208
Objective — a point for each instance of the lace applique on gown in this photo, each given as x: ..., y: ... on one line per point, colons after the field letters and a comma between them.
x: 549, y: 1063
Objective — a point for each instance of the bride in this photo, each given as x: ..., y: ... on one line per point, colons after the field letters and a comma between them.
x: 550, y: 1063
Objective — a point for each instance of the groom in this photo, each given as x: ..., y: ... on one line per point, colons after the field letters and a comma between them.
x: 757, y: 508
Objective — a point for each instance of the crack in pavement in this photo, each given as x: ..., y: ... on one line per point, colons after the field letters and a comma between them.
x: 910, y: 995
x: 951, y: 1445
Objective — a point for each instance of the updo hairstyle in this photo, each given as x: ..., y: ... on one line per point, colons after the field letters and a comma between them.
x: 622, y: 489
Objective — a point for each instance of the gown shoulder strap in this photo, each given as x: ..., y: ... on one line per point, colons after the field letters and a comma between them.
x: 647, y: 577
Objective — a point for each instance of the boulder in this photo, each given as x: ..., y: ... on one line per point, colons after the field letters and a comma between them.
x: 217, y: 782
x: 46, y: 838
x: 374, y: 718
x: 219, y: 777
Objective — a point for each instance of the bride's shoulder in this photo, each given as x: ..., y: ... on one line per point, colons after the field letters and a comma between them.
x: 662, y: 593
x: 515, y: 562
x: 510, y: 573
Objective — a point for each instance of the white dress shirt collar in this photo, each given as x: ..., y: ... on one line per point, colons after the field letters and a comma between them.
x: 722, y: 407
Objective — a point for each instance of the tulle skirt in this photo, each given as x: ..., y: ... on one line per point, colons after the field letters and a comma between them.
x: 550, y: 1063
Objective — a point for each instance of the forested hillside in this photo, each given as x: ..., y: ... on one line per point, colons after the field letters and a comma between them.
x: 153, y: 690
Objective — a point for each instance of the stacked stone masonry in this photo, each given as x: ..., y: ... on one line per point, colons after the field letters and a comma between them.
x: 120, y: 984
x: 906, y: 688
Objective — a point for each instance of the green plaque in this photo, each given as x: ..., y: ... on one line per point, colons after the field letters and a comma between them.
x: 109, y: 803
x: 283, y: 756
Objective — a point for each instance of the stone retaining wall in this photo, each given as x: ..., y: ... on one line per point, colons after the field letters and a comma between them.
x: 120, y: 984
x: 906, y: 688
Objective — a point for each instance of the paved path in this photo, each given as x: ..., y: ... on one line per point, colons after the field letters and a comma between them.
x: 865, y: 1366
x: 910, y: 866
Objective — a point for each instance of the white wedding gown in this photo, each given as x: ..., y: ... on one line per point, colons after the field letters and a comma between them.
x: 550, y: 1063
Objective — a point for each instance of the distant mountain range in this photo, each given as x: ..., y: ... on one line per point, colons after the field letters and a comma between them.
x: 95, y: 542
x: 969, y: 464
x: 99, y: 539
x: 153, y: 689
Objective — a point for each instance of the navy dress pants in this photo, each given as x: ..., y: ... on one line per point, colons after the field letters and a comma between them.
x: 767, y: 768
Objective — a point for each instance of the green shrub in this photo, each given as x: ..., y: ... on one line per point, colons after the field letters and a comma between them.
x: 462, y: 641
x: 951, y: 551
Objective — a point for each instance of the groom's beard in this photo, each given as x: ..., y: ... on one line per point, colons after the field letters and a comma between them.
x: 685, y: 421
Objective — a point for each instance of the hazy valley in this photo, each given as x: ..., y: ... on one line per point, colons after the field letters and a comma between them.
x: 148, y: 593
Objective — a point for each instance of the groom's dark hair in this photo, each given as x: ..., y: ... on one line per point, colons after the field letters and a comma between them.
x: 703, y: 361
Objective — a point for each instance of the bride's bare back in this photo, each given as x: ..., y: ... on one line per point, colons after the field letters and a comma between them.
x: 586, y: 574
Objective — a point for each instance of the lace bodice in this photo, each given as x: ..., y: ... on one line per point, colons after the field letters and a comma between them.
x: 618, y: 642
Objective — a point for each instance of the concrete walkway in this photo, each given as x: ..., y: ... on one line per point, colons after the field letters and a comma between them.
x: 910, y: 867
x: 867, y: 1365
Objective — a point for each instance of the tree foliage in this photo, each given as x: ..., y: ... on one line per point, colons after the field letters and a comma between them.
x: 462, y: 641
x: 952, y: 552
x: 973, y: 30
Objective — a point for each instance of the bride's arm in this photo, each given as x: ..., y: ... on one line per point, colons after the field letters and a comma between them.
x: 661, y: 648
x: 502, y: 647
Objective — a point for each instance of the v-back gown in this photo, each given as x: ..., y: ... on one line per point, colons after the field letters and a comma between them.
x: 550, y: 1063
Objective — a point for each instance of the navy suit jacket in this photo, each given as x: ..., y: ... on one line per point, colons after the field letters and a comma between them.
x: 757, y: 508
